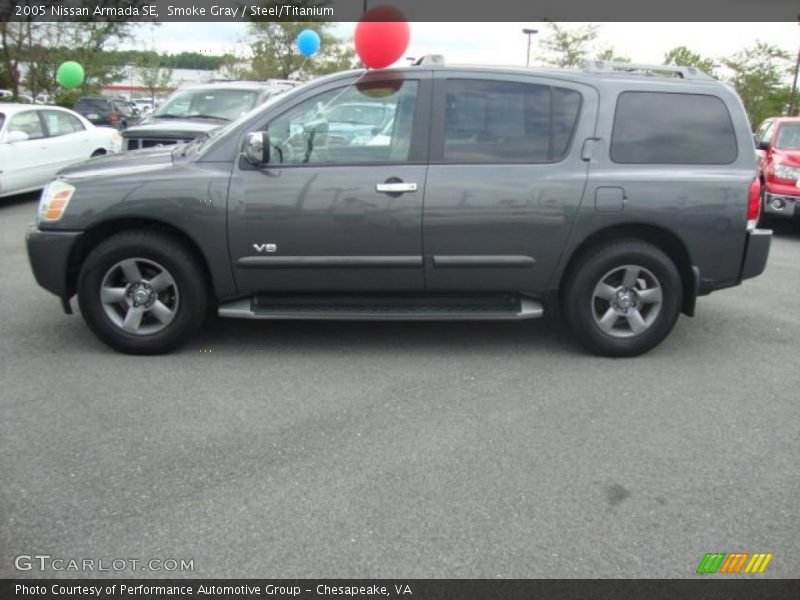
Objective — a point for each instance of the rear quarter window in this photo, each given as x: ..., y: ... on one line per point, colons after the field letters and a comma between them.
x: 91, y: 104
x: 672, y: 128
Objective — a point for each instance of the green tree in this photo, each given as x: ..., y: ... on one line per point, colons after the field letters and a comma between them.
x: 681, y: 56
x: 151, y: 73
x: 275, y: 53
x: 15, y: 39
x: 569, y: 47
x: 610, y: 55
x: 760, y: 75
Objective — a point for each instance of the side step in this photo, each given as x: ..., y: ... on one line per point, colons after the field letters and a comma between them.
x: 394, y: 308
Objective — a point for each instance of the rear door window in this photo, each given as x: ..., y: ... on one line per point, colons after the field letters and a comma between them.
x: 95, y: 105
x: 489, y: 121
x: 61, y: 123
x: 670, y: 128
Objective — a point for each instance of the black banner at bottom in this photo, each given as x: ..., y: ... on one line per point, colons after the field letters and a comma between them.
x: 411, y: 589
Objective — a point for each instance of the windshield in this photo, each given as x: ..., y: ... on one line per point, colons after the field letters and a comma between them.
x: 789, y: 137
x: 224, y: 104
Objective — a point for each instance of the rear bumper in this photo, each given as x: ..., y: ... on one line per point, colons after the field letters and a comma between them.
x: 756, y: 253
x: 49, y: 252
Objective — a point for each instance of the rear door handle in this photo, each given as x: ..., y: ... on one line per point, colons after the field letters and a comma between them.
x: 395, y: 187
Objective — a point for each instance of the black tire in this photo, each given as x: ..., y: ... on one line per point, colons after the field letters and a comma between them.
x: 189, y: 284
x: 98, y: 152
x: 578, y: 296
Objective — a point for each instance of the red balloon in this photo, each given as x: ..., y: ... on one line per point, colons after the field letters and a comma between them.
x: 381, y: 37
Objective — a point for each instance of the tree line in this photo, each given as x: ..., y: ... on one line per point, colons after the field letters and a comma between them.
x: 760, y: 72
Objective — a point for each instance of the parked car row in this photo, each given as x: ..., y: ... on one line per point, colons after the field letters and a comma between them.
x: 37, y: 141
x: 198, y: 109
x: 8, y: 96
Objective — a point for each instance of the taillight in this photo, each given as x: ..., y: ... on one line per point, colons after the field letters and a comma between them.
x: 754, y: 204
x: 113, y: 117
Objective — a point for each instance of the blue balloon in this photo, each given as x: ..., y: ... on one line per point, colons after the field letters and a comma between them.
x: 308, y: 42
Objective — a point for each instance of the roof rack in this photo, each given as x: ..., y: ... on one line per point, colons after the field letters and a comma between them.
x: 606, y: 66
x: 429, y: 59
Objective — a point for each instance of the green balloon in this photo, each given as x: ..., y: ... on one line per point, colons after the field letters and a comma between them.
x: 70, y: 74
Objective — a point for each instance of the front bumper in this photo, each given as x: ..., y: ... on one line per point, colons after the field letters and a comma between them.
x: 756, y: 252
x: 49, y: 252
x: 782, y: 205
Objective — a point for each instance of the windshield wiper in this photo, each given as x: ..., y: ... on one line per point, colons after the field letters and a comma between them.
x: 218, y: 118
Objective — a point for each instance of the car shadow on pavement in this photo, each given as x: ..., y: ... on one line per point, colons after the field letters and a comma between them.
x: 546, y: 336
x: 784, y: 228
x: 18, y: 199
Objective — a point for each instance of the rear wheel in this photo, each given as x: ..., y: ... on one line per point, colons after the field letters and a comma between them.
x: 142, y: 292
x: 623, y: 298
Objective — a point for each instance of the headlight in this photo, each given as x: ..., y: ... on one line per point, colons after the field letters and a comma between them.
x: 55, y: 198
x: 786, y: 172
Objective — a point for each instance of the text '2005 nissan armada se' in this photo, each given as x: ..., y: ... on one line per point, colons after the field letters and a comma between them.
x: 619, y: 193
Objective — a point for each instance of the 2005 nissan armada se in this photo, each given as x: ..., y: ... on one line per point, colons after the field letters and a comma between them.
x: 619, y: 193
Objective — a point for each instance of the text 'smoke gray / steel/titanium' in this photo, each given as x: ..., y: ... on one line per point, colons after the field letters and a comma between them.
x: 619, y: 193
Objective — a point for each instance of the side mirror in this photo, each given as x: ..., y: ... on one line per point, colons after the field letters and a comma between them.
x: 16, y: 136
x: 762, y: 145
x: 256, y: 148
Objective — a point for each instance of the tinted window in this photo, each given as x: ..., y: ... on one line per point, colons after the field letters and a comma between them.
x: 2, y: 120
x: 505, y: 122
x: 27, y: 122
x: 788, y: 136
x: 122, y: 108
x: 361, y: 124
x: 94, y: 104
x: 61, y: 123
x: 662, y: 128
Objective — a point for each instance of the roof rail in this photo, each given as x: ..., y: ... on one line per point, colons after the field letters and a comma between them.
x: 430, y: 59
x: 606, y: 66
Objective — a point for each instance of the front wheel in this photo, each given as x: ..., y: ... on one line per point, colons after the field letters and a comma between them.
x: 142, y: 292
x: 623, y: 298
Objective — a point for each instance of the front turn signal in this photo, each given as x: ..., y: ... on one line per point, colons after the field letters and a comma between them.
x: 55, y: 199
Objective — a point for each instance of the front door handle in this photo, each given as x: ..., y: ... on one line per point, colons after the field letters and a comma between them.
x: 396, y: 187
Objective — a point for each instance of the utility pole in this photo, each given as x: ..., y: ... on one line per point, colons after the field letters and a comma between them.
x: 529, y: 33
x: 793, y: 97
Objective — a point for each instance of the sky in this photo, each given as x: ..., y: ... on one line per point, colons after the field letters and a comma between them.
x: 504, y: 43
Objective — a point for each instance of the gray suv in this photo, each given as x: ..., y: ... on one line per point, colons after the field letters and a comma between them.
x: 619, y: 193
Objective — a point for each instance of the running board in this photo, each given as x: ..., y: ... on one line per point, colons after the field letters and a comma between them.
x: 383, y: 308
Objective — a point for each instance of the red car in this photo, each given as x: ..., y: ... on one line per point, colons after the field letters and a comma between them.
x: 778, y: 159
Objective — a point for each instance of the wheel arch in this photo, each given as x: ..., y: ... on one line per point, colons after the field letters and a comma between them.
x: 662, y: 238
x: 99, y: 232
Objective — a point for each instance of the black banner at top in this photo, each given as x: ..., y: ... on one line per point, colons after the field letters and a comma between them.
x: 414, y: 10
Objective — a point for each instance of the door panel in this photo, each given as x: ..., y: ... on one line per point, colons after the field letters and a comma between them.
x: 68, y: 141
x: 326, y: 213
x: 28, y: 162
x: 505, y: 181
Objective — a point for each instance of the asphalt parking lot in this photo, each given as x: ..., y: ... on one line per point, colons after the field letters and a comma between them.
x: 323, y: 449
